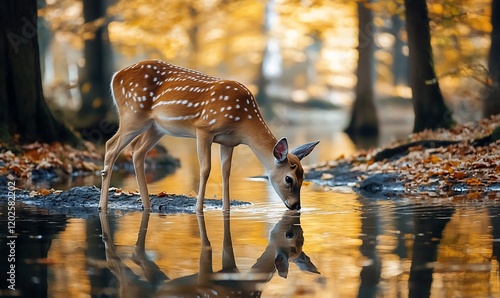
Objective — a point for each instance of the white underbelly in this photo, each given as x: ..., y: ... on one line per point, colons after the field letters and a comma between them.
x: 175, y: 129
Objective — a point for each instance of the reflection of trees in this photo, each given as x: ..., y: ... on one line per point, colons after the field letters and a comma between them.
x: 495, y: 232
x: 442, y: 242
x: 35, y: 230
x: 370, y: 230
x: 429, y: 225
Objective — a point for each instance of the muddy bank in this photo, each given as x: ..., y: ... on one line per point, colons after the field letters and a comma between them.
x: 83, y: 201
x: 393, y: 184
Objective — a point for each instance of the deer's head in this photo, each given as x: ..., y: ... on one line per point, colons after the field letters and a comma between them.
x: 288, y: 174
x: 288, y: 239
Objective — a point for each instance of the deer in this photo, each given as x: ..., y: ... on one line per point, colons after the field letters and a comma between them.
x: 285, y: 245
x: 156, y: 98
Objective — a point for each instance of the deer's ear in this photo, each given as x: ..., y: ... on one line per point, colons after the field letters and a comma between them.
x: 304, y: 150
x: 305, y: 264
x: 281, y: 263
x: 280, y: 150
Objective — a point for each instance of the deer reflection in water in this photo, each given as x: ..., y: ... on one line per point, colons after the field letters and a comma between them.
x: 285, y: 245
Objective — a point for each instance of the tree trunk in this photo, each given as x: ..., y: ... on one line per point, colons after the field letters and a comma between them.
x: 399, y: 59
x: 193, y: 37
x: 492, y: 100
x: 262, y: 97
x: 428, y: 103
x: 95, y: 75
x: 263, y: 81
x: 24, y: 115
x: 364, y: 120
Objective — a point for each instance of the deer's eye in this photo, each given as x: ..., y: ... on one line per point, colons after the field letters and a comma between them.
x: 288, y: 180
x: 289, y: 234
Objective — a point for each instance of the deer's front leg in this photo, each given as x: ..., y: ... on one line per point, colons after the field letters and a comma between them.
x: 114, y: 146
x: 204, y: 148
x: 140, y: 147
x: 226, y: 154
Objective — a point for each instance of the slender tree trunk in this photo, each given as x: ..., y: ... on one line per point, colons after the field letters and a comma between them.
x: 24, y: 115
x: 492, y: 100
x: 400, y: 61
x: 262, y: 96
x: 193, y: 37
x: 428, y: 103
x: 95, y: 75
x: 364, y: 120
x: 263, y: 81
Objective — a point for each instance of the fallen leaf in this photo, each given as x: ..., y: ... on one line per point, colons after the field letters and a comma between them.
x: 459, y: 175
x: 162, y: 194
x: 472, y: 181
x: 326, y: 176
x: 45, y: 192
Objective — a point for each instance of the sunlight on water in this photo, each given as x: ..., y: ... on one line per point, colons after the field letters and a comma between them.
x: 351, y: 241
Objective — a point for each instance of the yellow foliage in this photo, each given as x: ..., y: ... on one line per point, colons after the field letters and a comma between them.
x: 231, y: 35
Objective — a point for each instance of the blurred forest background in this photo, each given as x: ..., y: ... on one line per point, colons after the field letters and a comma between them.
x: 330, y: 54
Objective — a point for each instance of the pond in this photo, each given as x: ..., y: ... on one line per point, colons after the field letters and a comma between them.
x: 396, y: 247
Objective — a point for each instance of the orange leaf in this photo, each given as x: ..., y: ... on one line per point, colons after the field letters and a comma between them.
x: 459, y: 175
x: 473, y: 181
x: 473, y: 195
x: 433, y: 159
x: 45, y: 192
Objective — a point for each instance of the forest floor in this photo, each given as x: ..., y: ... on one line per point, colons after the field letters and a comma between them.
x: 464, y: 160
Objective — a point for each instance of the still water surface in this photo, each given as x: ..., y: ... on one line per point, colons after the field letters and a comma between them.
x: 397, y: 247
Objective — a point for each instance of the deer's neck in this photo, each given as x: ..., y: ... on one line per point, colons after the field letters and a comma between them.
x: 262, y: 143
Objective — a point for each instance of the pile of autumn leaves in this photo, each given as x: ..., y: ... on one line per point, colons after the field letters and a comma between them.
x: 463, y: 163
x: 61, y: 159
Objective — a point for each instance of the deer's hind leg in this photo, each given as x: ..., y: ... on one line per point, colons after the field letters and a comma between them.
x: 226, y: 154
x: 204, y: 148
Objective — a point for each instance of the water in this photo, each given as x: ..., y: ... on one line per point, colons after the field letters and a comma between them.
x: 397, y: 247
